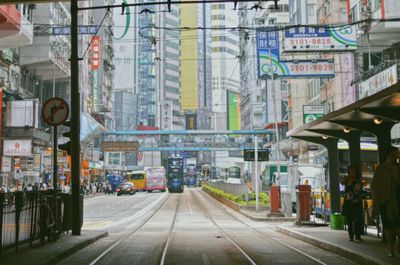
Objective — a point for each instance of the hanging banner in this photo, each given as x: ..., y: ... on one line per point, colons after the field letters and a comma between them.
x: 318, y: 39
x: 268, y: 60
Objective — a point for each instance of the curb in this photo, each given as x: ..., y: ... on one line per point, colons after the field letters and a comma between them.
x: 74, y: 249
x: 236, y: 207
x: 354, y: 256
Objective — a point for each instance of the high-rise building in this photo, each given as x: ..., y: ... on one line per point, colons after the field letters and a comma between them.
x: 225, y: 65
x: 168, y: 74
x: 195, y: 59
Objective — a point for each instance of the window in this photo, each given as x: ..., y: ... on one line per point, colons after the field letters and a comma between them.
x: 310, y: 10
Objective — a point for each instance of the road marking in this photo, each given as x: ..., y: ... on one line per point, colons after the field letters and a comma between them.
x: 171, y: 229
x: 205, y: 259
x: 298, y: 251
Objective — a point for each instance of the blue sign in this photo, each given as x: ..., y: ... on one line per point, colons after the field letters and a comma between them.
x: 268, y: 59
x: 82, y: 30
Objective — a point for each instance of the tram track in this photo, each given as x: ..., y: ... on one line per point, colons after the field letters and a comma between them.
x: 226, y: 235
x: 134, y: 231
x: 264, y: 235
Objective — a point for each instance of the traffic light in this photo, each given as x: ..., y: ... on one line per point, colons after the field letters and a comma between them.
x: 67, y: 145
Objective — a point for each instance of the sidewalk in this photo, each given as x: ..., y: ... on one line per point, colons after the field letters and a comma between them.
x: 371, y: 251
x: 50, y: 253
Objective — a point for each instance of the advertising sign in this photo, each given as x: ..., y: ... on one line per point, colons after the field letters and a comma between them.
x: 6, y: 164
x: 381, y: 80
x: 312, y: 112
x: 233, y: 103
x: 317, y: 39
x: 191, y: 121
x: 17, y: 148
x: 268, y: 59
x: 95, y: 54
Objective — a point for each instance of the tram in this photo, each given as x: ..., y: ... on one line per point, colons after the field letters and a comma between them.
x: 175, y: 174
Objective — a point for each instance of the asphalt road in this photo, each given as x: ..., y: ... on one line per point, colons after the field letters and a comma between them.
x: 188, y: 228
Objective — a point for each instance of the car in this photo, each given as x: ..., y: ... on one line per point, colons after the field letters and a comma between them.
x: 125, y: 188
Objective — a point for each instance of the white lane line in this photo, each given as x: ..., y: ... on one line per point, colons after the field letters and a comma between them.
x: 204, y: 257
x: 298, y: 251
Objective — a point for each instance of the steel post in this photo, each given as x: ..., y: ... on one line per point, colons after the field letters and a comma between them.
x: 75, y: 121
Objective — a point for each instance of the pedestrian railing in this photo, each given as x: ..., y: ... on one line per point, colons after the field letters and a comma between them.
x: 29, y: 216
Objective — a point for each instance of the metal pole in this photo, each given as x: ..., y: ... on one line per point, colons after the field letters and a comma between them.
x: 75, y: 122
x: 256, y: 168
x: 55, y: 174
x: 276, y: 123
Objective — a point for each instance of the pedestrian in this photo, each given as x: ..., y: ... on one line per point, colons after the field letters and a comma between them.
x: 353, y: 203
x: 385, y: 187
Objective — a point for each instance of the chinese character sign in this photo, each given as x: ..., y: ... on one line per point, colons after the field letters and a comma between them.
x: 267, y: 51
x: 95, y: 54
x: 301, y: 39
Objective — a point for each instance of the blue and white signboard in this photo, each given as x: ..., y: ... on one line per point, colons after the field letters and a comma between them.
x: 83, y: 30
x: 303, y: 39
x: 268, y: 60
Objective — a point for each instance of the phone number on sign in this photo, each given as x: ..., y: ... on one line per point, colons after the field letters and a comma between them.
x: 310, y: 41
x: 304, y: 68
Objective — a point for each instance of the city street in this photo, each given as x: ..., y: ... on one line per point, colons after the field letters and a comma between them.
x: 187, y: 228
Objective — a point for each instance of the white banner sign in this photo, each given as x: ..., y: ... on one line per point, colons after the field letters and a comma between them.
x: 166, y: 115
x: 17, y: 148
x: 307, y: 39
x: 6, y: 164
x: 378, y: 82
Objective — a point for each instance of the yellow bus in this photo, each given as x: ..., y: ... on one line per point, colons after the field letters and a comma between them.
x: 139, y: 179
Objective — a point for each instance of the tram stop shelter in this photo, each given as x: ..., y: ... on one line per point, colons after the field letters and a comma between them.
x: 375, y: 114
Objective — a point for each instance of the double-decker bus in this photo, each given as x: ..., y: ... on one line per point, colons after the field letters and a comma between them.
x: 175, y: 174
x: 156, y: 179
x: 138, y: 178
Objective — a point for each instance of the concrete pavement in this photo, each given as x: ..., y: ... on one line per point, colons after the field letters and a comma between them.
x: 50, y: 253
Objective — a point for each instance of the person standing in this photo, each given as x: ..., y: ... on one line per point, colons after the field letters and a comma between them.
x: 385, y: 187
x: 353, y: 203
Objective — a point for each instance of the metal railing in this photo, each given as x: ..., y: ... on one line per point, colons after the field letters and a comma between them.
x: 28, y: 216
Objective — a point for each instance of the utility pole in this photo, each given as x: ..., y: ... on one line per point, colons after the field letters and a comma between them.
x: 256, y: 168
x: 75, y: 122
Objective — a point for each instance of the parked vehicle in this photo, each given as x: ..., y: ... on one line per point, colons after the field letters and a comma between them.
x: 125, y: 188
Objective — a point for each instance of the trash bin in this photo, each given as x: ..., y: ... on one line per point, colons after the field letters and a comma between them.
x: 337, y: 221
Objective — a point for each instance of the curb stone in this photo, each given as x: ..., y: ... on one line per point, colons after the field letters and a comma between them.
x: 356, y: 257
x: 74, y: 249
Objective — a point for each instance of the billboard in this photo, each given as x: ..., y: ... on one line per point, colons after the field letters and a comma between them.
x: 317, y: 39
x: 269, y: 62
x: 233, y: 112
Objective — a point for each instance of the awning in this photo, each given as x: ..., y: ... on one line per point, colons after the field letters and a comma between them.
x: 383, y: 107
x: 90, y: 128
